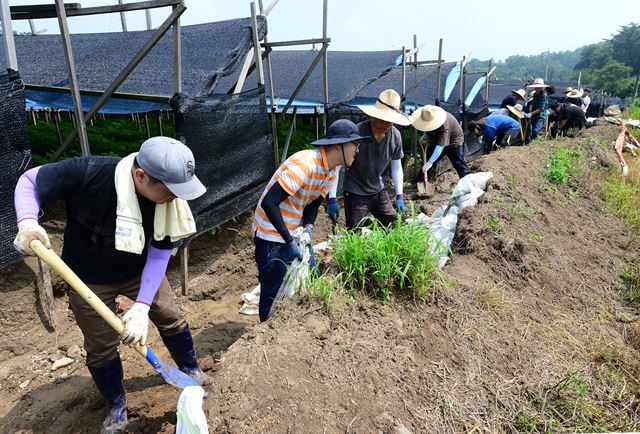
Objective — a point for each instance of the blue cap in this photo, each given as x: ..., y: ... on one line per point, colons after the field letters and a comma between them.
x: 341, y: 131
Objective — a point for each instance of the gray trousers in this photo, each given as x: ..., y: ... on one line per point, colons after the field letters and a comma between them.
x: 100, y: 340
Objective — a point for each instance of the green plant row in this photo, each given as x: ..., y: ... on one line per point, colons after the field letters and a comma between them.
x: 116, y: 136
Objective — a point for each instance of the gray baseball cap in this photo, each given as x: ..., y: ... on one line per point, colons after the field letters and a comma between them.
x: 171, y: 161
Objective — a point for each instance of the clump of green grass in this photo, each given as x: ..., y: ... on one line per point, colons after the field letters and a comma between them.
x: 631, y: 282
x: 601, y: 396
x: 495, y: 224
x: 388, y: 260
x: 321, y: 289
x: 562, y: 165
x: 622, y: 196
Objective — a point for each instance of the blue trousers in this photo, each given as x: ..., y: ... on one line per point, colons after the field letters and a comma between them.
x: 271, y: 272
x: 455, y: 154
x: 535, y: 126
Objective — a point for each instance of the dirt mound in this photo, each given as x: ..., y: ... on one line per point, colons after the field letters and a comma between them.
x: 526, y: 337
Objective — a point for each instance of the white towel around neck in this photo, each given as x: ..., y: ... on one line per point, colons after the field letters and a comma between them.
x: 173, y: 219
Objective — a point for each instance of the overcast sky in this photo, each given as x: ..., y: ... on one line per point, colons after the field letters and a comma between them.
x: 486, y: 28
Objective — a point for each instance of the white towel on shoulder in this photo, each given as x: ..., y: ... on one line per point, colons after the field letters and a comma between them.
x: 173, y: 219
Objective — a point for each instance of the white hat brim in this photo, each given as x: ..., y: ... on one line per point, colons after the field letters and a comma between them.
x: 513, y: 110
x: 385, y: 114
x: 189, y: 190
x: 433, y: 124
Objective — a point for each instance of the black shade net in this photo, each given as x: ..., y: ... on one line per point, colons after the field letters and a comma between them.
x: 15, y: 159
x: 209, y: 52
x: 348, y: 71
x: 233, y: 151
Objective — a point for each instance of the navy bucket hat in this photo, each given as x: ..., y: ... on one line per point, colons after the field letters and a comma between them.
x: 341, y: 131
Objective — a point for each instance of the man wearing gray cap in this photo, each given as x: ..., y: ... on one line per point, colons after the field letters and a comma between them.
x: 124, y: 217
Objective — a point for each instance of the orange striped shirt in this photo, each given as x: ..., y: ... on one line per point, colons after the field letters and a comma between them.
x: 305, y: 176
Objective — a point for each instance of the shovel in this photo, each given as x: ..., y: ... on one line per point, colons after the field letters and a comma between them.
x: 424, y: 187
x: 170, y: 374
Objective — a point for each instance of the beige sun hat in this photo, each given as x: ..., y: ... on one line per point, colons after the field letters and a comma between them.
x: 516, y: 110
x: 387, y: 108
x: 574, y: 93
x: 520, y: 92
x: 429, y: 118
x: 537, y: 83
x: 569, y: 89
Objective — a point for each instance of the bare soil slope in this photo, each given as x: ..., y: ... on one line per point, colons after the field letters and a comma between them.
x: 533, y: 333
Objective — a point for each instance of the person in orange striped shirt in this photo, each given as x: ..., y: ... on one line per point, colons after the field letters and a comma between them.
x: 291, y: 200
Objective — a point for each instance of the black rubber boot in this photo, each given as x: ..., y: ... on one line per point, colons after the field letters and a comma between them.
x: 109, y: 380
x: 180, y: 346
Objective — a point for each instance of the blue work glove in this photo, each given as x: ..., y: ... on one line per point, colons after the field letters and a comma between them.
x: 333, y: 209
x: 290, y: 252
x: 400, y: 203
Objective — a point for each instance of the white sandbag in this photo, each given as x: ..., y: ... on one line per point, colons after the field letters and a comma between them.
x: 442, y: 223
x: 191, y: 418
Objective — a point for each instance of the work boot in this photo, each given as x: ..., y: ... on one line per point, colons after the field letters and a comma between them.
x: 109, y: 380
x: 180, y: 346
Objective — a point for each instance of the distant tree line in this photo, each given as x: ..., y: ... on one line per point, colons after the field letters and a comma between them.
x: 612, y: 65
x: 517, y: 67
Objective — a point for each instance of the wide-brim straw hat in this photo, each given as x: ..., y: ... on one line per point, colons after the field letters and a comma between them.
x: 429, y: 118
x: 520, y: 92
x: 387, y: 108
x: 538, y: 83
x: 574, y: 93
x: 516, y: 110
x: 568, y: 89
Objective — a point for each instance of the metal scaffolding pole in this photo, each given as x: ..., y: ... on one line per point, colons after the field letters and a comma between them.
x: 177, y: 51
x: 147, y: 16
x: 325, y: 65
x: 256, y: 44
x: 272, y: 101
x: 7, y: 33
x: 81, y: 127
x: 439, y: 87
x: 404, y: 74
x: 123, y: 19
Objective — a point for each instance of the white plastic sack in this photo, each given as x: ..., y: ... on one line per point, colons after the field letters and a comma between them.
x: 250, y: 301
x: 295, y: 278
x: 191, y: 418
x: 442, y: 223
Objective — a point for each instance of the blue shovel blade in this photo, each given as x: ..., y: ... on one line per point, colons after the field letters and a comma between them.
x: 171, y: 375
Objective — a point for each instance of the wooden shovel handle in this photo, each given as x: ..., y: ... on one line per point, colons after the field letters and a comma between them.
x: 58, y: 265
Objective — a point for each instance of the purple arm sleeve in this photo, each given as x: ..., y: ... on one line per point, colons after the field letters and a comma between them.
x: 152, y: 274
x: 25, y: 197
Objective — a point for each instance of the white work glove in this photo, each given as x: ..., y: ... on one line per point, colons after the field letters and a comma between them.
x: 528, y: 115
x: 136, y: 324
x: 427, y: 166
x: 29, y: 230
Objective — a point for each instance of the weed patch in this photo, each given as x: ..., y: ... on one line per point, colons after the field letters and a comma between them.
x: 387, y: 260
x: 622, y: 196
x: 631, y: 284
x: 562, y: 165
